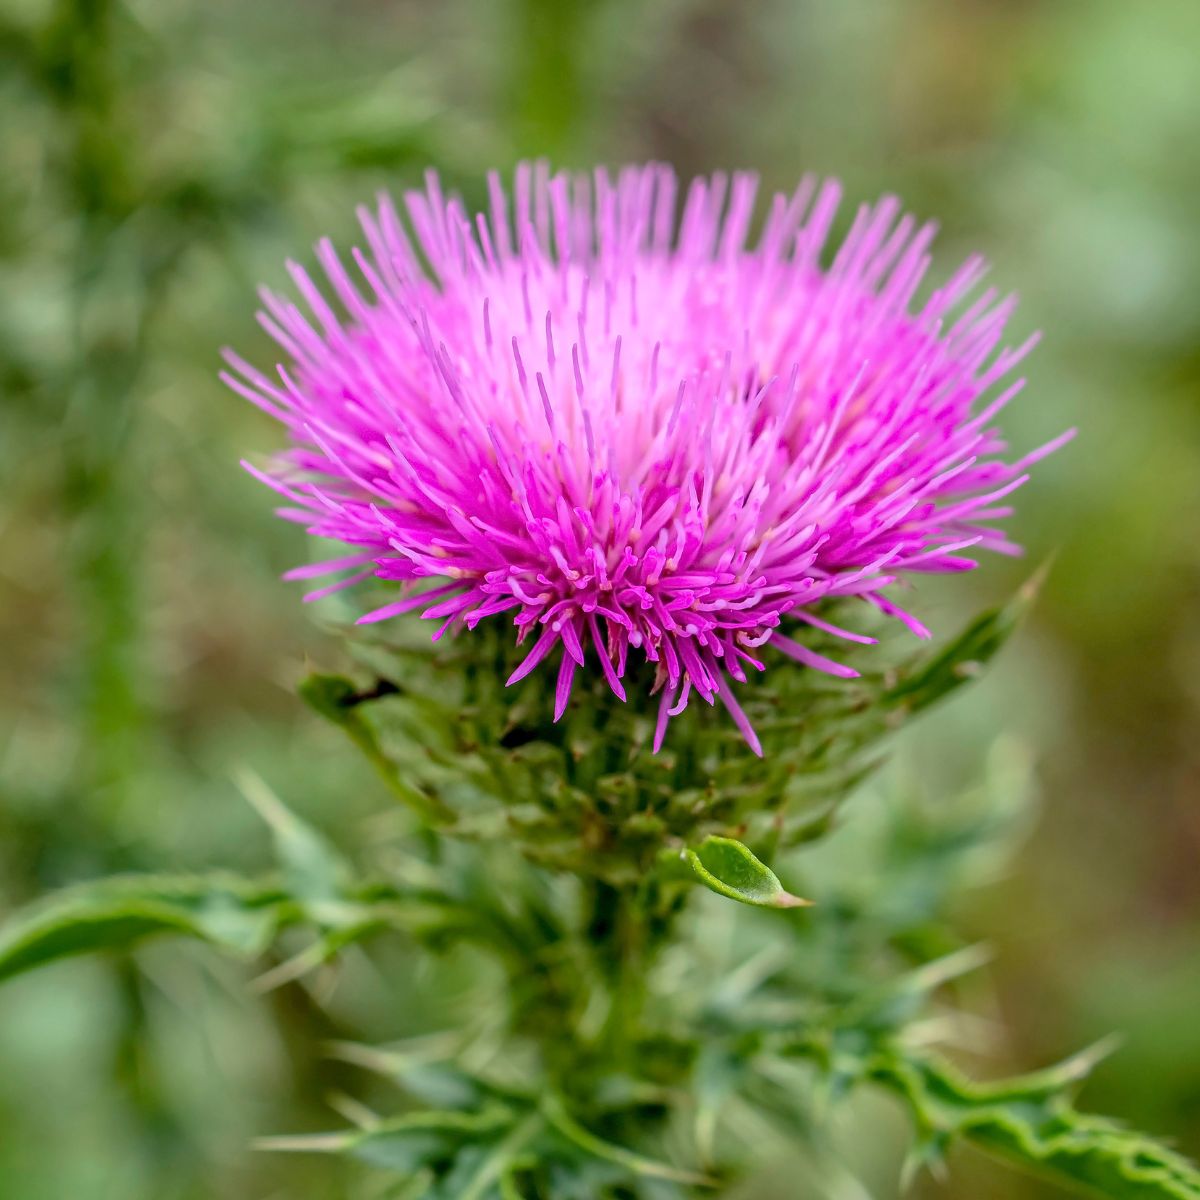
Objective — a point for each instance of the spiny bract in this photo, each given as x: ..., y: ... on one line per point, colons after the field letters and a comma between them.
x: 640, y: 433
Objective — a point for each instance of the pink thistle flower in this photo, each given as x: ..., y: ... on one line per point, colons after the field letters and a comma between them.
x: 637, y: 434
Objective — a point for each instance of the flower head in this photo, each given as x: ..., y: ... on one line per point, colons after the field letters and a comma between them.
x: 632, y: 433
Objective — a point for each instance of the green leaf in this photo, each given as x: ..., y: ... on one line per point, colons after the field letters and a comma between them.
x: 556, y: 1114
x: 314, y: 870
x: 1032, y: 1124
x: 725, y: 866
x: 423, y: 1069
x: 898, y: 1001
x: 337, y: 700
x: 509, y: 1189
x: 404, y: 1143
x: 484, y: 1177
x: 929, y: 680
x: 1029, y: 1121
x: 118, y: 913
x: 416, y: 1187
x: 236, y: 915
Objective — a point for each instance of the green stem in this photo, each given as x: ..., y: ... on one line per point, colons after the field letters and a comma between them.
x: 546, y: 84
x: 109, y: 302
x: 626, y: 929
x: 617, y: 938
x: 503, y: 1156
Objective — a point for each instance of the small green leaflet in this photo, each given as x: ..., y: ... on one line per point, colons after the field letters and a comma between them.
x: 725, y: 866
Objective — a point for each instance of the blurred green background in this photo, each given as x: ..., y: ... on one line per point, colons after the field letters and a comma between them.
x: 160, y: 158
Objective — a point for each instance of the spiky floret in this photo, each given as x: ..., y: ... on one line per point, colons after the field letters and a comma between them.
x: 637, y: 433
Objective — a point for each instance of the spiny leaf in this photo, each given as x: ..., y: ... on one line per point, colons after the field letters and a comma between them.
x: 509, y: 1189
x: 327, y: 946
x: 425, y: 1073
x: 314, y: 869
x: 233, y: 914
x: 120, y: 912
x: 897, y: 1002
x: 338, y: 700
x: 928, y: 680
x: 725, y: 866
x: 488, y: 1171
x: 404, y: 1143
x: 416, y: 1187
x: 1039, y: 1130
x: 1030, y: 1121
x: 1060, y: 1079
x: 556, y: 1114
x: 927, y: 1153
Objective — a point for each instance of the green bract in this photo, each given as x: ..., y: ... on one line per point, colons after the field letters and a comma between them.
x: 475, y: 759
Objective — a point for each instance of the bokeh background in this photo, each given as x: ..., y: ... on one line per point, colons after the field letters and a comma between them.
x: 160, y: 158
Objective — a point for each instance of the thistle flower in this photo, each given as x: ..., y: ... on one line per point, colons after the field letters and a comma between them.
x: 636, y: 435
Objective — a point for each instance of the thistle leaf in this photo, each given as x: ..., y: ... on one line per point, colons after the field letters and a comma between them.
x: 485, y: 1174
x: 929, y: 680
x: 315, y: 871
x: 118, y: 913
x: 507, y: 1184
x: 897, y: 1002
x: 725, y: 866
x: 556, y: 1114
x: 337, y: 699
x: 227, y: 912
x: 406, y: 1143
x: 1039, y: 1130
x: 1029, y: 1121
x: 425, y: 1073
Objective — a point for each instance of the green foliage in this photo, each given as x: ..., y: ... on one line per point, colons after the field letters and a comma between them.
x: 933, y: 677
x: 337, y: 700
x: 312, y: 867
x: 826, y: 1003
x: 316, y: 888
x: 1032, y: 1123
x: 728, y: 868
x: 1029, y: 1121
x: 489, y: 1153
x: 597, y: 1076
x: 118, y: 913
x: 235, y: 915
